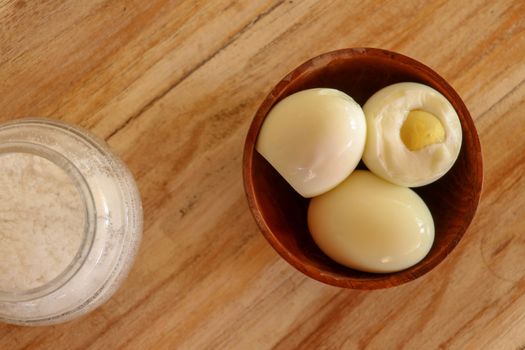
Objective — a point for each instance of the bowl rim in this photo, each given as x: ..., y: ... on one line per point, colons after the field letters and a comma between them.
x: 380, y: 280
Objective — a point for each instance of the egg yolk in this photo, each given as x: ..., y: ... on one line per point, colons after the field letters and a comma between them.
x: 421, y: 129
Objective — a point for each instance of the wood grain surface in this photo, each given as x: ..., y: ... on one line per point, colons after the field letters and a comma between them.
x: 172, y: 86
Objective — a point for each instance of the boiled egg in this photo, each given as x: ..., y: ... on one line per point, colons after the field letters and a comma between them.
x: 314, y: 139
x: 372, y: 225
x: 413, y: 134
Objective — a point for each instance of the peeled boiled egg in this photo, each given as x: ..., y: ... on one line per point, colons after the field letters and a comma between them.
x: 413, y: 134
x: 314, y: 139
x: 372, y: 225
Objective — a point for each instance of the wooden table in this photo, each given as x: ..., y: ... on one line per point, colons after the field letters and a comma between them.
x: 172, y: 87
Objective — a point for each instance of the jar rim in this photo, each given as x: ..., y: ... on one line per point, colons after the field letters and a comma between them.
x: 89, y: 229
x: 117, y: 222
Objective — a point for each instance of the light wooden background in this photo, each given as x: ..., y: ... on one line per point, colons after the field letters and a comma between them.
x: 172, y: 87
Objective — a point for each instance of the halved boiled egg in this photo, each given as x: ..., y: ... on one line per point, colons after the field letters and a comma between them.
x: 314, y: 139
x: 413, y: 134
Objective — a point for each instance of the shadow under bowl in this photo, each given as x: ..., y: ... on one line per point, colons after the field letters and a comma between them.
x: 281, y: 212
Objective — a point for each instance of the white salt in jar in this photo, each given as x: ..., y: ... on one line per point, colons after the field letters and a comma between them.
x: 70, y: 222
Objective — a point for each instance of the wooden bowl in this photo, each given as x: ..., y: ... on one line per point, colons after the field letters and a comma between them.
x: 280, y: 212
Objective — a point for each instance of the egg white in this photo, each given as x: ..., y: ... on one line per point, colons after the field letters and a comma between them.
x: 369, y: 224
x: 385, y: 153
x: 314, y: 139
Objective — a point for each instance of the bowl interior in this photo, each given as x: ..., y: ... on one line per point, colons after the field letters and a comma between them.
x: 281, y: 212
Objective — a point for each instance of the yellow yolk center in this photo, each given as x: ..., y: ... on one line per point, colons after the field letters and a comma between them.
x: 421, y: 129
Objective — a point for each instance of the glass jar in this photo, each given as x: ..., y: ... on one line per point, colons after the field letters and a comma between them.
x: 111, y: 227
